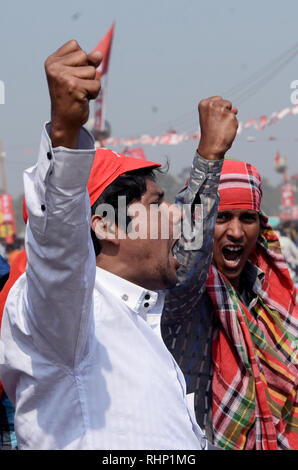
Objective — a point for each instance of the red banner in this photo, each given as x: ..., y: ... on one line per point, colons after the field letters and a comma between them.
x: 287, y: 195
x: 295, y: 212
x: 7, y: 218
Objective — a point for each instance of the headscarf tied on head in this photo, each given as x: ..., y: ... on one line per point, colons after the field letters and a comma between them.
x: 255, y: 368
x: 240, y: 186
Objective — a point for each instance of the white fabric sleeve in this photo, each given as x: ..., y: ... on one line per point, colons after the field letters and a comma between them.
x: 61, y: 260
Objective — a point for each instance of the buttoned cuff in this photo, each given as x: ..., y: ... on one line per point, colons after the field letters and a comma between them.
x: 204, y: 179
x: 63, y: 167
x: 59, y: 173
x: 209, y: 167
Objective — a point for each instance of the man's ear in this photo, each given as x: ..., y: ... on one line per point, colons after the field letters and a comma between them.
x: 104, y: 229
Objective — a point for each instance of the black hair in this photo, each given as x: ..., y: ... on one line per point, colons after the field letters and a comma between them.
x: 132, y: 185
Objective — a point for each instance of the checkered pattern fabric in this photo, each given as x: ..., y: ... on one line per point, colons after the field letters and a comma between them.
x: 245, y: 182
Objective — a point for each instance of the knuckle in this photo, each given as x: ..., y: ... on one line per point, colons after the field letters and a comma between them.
x: 71, y: 84
x: 67, y: 81
x: 74, y: 44
x: 47, y: 62
x: 203, y: 104
x: 51, y: 68
x: 83, y: 57
x: 92, y: 71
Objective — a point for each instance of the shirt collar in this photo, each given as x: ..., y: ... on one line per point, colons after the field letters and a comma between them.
x: 252, y: 280
x: 254, y: 275
x: 136, y: 298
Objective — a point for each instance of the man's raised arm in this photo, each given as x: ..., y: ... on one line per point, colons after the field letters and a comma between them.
x: 61, y: 262
x: 219, y: 125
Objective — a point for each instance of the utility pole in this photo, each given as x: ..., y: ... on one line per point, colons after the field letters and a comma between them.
x: 2, y: 169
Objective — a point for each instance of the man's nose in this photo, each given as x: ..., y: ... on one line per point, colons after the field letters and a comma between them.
x: 235, y: 229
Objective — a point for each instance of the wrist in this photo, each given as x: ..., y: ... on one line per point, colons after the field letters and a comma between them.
x: 209, y: 154
x: 62, y: 136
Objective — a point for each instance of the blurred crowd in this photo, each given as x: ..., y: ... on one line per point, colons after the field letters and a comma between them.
x: 288, y: 236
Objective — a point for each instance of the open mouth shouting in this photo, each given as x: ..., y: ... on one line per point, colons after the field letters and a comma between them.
x: 232, y: 255
x: 235, y: 237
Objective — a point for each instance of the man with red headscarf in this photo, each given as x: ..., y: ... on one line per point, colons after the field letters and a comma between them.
x: 82, y: 356
x: 237, y: 345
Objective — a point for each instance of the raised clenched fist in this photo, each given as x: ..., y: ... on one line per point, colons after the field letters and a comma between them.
x: 218, y: 127
x: 73, y: 80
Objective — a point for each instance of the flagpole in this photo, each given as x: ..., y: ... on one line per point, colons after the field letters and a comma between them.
x: 103, y: 106
x: 100, y: 130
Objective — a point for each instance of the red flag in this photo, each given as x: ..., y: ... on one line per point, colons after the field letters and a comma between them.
x: 263, y: 121
x: 277, y: 158
x: 105, y: 46
x: 136, y: 153
x: 287, y: 195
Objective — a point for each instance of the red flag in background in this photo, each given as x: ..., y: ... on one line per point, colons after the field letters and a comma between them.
x: 104, y: 46
x: 136, y: 153
x: 287, y: 195
x: 263, y: 121
x: 280, y: 162
x: 277, y: 159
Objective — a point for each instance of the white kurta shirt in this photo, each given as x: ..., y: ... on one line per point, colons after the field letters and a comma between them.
x: 81, y: 356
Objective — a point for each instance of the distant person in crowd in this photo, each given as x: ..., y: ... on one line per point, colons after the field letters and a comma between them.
x: 290, y: 252
x: 12, y: 251
x: 4, y: 272
x: 290, y: 231
x: 237, y: 345
x: 3, y: 250
x: 83, y: 359
x: 7, y: 434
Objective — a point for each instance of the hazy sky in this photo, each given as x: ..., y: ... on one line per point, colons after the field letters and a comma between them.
x: 167, y: 55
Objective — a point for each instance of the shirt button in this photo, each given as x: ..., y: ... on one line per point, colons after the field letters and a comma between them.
x: 147, y: 297
x: 146, y: 304
x: 43, y: 207
x: 49, y: 155
x: 125, y: 297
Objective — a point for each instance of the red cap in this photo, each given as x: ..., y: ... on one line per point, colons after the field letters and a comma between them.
x: 107, y: 166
